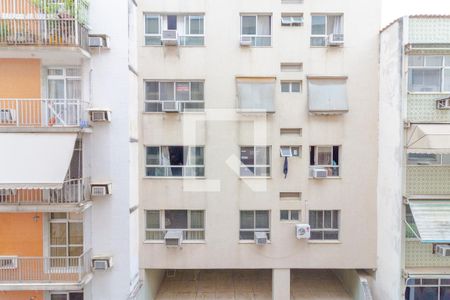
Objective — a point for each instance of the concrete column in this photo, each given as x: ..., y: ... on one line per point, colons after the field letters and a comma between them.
x: 281, y: 284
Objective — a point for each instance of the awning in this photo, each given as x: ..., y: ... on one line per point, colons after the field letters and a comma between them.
x: 429, y: 138
x: 35, y: 160
x: 256, y: 93
x: 432, y: 218
x: 327, y: 95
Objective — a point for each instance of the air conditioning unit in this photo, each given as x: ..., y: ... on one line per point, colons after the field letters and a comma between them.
x: 7, y: 115
x: 101, y: 263
x: 8, y: 262
x: 246, y: 41
x: 443, y: 103
x: 302, y: 231
x: 170, y: 106
x: 443, y: 250
x: 260, y: 238
x: 99, y: 115
x: 173, y: 238
x: 98, y: 41
x: 319, y: 173
x: 169, y: 38
x: 336, y: 39
x: 101, y: 189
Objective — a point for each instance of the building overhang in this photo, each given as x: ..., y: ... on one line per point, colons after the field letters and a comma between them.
x: 46, y: 286
x: 429, y: 138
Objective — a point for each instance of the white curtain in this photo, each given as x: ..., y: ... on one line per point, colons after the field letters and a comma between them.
x: 166, y: 159
x: 263, y: 25
x: 337, y: 25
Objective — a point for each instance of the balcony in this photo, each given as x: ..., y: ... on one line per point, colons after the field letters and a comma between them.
x: 42, y: 113
x: 72, y: 196
x: 60, y: 23
x: 45, y: 273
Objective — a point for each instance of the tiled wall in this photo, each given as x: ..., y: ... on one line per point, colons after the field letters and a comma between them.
x: 429, y: 30
x: 422, y: 108
x: 418, y: 254
x: 425, y: 180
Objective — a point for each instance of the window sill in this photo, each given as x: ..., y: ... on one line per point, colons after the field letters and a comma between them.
x: 165, y: 113
x: 175, y: 177
x: 254, y: 111
x: 289, y: 221
x: 249, y: 242
x: 428, y: 93
x: 324, y: 178
x: 183, y: 46
x: 255, y: 177
x: 159, y: 242
x: 324, y: 242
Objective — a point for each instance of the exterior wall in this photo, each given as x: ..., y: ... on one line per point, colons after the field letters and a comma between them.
x: 433, y: 30
x: 20, y: 78
x: 21, y: 235
x: 22, y: 295
x: 418, y: 254
x: 387, y: 283
x: 219, y: 62
x: 422, y: 108
x: 425, y: 180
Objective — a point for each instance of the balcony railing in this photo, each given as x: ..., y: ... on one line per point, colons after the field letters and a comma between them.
x: 42, y: 112
x: 72, y: 192
x: 28, y: 270
x: 44, y: 22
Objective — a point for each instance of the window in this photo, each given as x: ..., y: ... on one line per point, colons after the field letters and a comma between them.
x: 429, y: 73
x: 327, y: 95
x: 190, y: 29
x: 256, y: 94
x: 291, y: 67
x: 191, y: 222
x: 189, y: 95
x: 255, y: 161
x: 289, y: 215
x: 175, y: 161
x: 427, y: 288
x: 257, y: 28
x: 289, y: 151
x: 324, y: 224
x: 66, y: 296
x: 325, y: 157
x: 252, y: 221
x: 428, y: 159
x: 66, y: 238
x: 291, y: 20
x: 291, y: 86
x: 324, y: 25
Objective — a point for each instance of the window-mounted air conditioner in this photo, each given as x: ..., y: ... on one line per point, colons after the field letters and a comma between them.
x: 7, y: 115
x: 101, y: 189
x: 169, y: 38
x: 336, y: 39
x: 98, y: 41
x: 260, y: 238
x: 246, y: 41
x: 8, y: 262
x: 443, y: 250
x: 101, y: 263
x: 170, y: 106
x: 302, y: 231
x: 319, y: 173
x: 173, y: 238
x: 99, y: 115
x: 443, y: 103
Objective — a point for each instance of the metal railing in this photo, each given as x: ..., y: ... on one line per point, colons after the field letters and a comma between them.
x: 42, y: 112
x: 46, y: 269
x: 72, y: 192
x: 44, y: 22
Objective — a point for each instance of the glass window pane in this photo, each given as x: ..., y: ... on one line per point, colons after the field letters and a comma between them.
x: 284, y: 215
x: 246, y: 235
x: 424, y: 80
x: 327, y: 219
x: 330, y: 235
x: 75, y: 233
x: 262, y: 156
x: 182, y: 90
x: 295, y: 87
x: 445, y: 293
x: 316, y: 235
x: 176, y: 219
x: 56, y: 89
x: 285, y: 87
x: 172, y: 22
x: 152, y: 90
x: 416, y: 60
x: 433, y: 61
x: 196, y: 157
x: 423, y: 159
x: 197, y: 91
x: 153, y: 221
x: 58, y: 252
x: 247, y: 219
x: 247, y: 155
x: 55, y: 216
x: 58, y: 234
x: 167, y: 92
x: 264, y: 25
x: 295, y: 215
x: 248, y: 25
x: 75, y: 216
x: 318, y: 25
x: 76, y: 296
x: 197, y: 219
x: 446, y: 159
x: 152, y: 25
x: 75, y: 251
x: 262, y: 219
x: 447, y: 60
x: 73, y: 89
x: 153, y: 156
x: 447, y: 80
x: 324, y: 155
x: 196, y: 25
x: 58, y: 297
x: 335, y: 219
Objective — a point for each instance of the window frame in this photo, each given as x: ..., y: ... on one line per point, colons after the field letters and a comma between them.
x: 443, y: 68
x: 326, y: 34
x: 331, y: 169
x: 254, y: 229
x: 256, y: 36
x: 183, y: 167
x: 441, y: 162
x: 289, y: 219
x: 323, y: 230
x: 255, y: 165
x: 162, y: 230
x: 290, y: 83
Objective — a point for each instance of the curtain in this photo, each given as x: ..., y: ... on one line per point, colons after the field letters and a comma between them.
x: 263, y: 25
x: 153, y: 219
x: 197, y: 219
x: 56, y: 88
x: 73, y: 89
x: 166, y: 159
x: 337, y: 25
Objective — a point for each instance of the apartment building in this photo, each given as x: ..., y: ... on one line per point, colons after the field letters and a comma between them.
x: 414, y: 165
x: 65, y: 130
x: 257, y: 148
